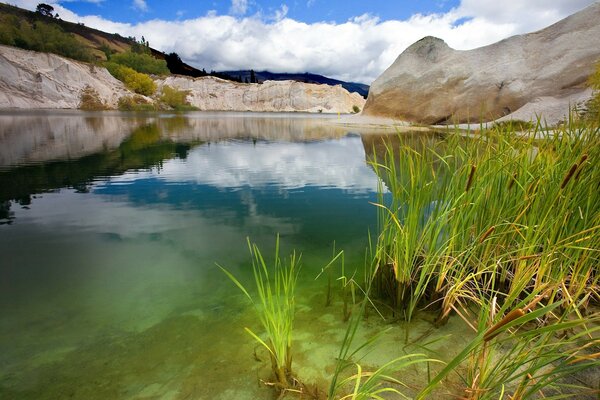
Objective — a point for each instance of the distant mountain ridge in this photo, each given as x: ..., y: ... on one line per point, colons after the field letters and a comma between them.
x: 306, y: 77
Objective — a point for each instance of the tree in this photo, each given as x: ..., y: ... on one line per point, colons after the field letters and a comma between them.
x: 45, y: 9
x: 252, y: 77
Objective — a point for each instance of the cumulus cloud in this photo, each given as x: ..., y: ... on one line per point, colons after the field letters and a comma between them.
x: 239, y: 7
x: 140, y: 5
x: 359, y: 49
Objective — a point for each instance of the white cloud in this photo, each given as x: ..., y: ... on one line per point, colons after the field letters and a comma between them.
x: 140, y: 5
x: 83, y: 1
x: 239, y: 7
x: 336, y: 164
x: 359, y: 49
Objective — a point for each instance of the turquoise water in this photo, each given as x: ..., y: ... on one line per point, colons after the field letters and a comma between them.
x: 110, y: 228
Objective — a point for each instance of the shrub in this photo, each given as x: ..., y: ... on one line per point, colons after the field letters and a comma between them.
x: 135, y: 103
x: 176, y: 99
x: 355, y: 109
x: 141, y: 62
x: 41, y: 36
x: 89, y: 100
x: 135, y: 81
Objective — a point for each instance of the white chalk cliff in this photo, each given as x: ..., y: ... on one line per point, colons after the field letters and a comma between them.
x: 210, y: 93
x: 32, y: 80
x: 538, y: 73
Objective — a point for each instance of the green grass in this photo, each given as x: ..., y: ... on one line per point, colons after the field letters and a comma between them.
x: 498, y: 229
x: 274, y: 303
x: 497, y: 211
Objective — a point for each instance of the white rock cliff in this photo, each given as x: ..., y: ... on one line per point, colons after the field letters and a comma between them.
x: 209, y: 93
x: 41, y: 80
x: 32, y: 80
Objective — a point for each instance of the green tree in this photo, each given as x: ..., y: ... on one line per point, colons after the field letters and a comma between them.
x: 41, y: 36
x: 45, y: 9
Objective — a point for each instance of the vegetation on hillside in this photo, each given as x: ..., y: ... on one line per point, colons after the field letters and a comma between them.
x: 90, y: 100
x: 133, y: 80
x: 175, y: 99
x: 140, y: 59
x: 41, y: 36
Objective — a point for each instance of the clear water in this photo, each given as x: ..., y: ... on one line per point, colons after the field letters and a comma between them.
x: 110, y: 228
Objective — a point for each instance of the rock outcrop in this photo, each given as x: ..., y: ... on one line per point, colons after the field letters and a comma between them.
x: 210, y: 93
x: 432, y: 83
x: 31, y: 79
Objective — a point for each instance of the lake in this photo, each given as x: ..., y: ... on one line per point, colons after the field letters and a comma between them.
x: 111, y: 225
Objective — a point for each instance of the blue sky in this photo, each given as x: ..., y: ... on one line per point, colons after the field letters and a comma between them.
x: 352, y: 40
x: 302, y: 10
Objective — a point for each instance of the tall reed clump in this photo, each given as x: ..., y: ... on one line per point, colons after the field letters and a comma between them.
x: 501, y: 212
x: 274, y: 304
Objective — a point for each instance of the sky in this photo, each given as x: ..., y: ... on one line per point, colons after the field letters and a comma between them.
x: 351, y: 40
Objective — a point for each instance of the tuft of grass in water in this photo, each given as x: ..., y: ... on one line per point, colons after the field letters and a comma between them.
x: 275, y: 307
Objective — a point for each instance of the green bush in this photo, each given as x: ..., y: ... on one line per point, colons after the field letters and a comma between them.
x: 141, y: 62
x: 135, y: 103
x: 135, y: 81
x: 41, y: 36
x: 89, y: 100
x: 176, y: 99
x: 355, y: 109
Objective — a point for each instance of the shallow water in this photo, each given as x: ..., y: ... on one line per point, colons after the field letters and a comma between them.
x: 110, y: 228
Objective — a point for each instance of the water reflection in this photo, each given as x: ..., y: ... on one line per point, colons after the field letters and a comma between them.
x: 117, y: 222
x: 28, y: 137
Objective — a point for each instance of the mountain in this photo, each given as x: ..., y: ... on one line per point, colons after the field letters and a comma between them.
x: 540, y: 73
x: 261, y: 76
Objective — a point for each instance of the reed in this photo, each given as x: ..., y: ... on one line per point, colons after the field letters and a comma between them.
x: 517, y: 357
x: 499, y: 211
x: 274, y: 303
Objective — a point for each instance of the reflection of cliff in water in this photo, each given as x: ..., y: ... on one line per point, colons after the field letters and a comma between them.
x: 144, y: 148
x: 34, y: 138
x: 44, y: 152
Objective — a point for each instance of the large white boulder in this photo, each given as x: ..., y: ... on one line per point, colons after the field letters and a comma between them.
x: 433, y: 83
